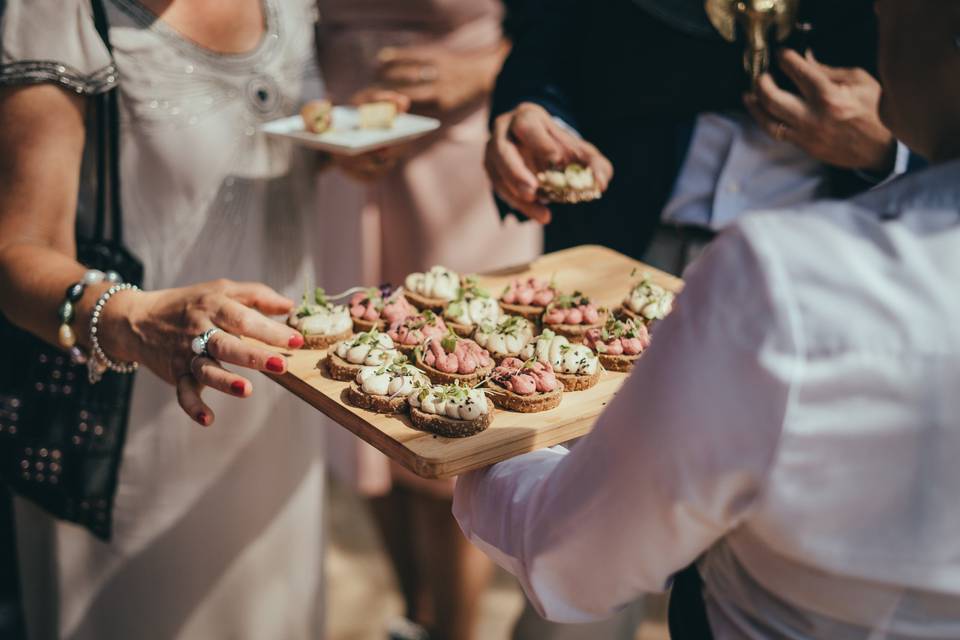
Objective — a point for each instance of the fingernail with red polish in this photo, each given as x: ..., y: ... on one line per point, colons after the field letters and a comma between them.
x: 296, y: 341
x: 275, y: 364
x: 239, y: 387
x: 203, y: 418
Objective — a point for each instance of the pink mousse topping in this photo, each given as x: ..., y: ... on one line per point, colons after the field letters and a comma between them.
x: 465, y: 357
x: 413, y: 330
x: 530, y: 292
x: 628, y: 340
x: 366, y: 306
x: 525, y: 380
x: 575, y: 309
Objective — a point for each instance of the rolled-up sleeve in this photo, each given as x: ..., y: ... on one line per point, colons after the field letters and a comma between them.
x: 676, y: 460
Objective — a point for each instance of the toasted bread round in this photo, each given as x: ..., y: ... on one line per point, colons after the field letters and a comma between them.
x: 462, y: 330
x: 448, y: 427
x: 362, y: 326
x: 576, y: 332
x: 442, y: 377
x: 506, y: 399
x: 568, y: 195
x: 421, y: 302
x: 375, y: 403
x: 529, y: 312
x: 340, y: 369
x: 620, y: 362
x: 573, y: 382
x: 314, y: 341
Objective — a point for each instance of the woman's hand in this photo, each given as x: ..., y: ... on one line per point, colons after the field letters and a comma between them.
x: 372, y: 166
x: 438, y: 80
x: 156, y: 328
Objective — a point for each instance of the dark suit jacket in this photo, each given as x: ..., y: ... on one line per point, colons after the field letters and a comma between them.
x: 633, y: 84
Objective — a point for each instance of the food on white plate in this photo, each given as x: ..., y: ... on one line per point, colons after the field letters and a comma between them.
x: 576, y: 366
x: 506, y: 338
x: 317, y: 116
x: 377, y: 115
x: 379, y: 307
x: 368, y: 349
x: 451, y: 410
x: 619, y: 343
x: 569, y: 185
x: 414, y: 330
x: 525, y: 387
x: 528, y: 298
x: 573, y: 315
x: 385, y: 389
x: 432, y: 290
x: 321, y: 322
x: 647, y: 302
x: 472, y: 307
x: 453, y: 359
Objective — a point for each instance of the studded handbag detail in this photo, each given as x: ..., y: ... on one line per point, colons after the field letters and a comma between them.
x: 61, y: 438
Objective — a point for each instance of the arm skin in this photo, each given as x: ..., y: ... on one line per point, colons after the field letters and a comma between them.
x: 42, y: 139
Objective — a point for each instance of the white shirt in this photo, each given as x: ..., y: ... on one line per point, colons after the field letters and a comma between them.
x: 733, y: 166
x: 795, y: 426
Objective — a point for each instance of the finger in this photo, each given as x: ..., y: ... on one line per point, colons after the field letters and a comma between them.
x: 533, y: 210
x: 773, y: 127
x: 408, y: 55
x: 510, y: 164
x: 209, y: 373
x: 808, y: 76
x: 535, y: 139
x: 779, y: 104
x: 401, y: 73
x: 241, y: 320
x: 228, y: 348
x: 260, y: 297
x: 377, y: 94
x: 188, y: 397
x: 601, y: 166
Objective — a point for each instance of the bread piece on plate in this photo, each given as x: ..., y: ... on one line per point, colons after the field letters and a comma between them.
x: 377, y: 115
x: 571, y: 185
x: 386, y: 389
x: 452, y: 411
x: 576, y: 366
x: 317, y: 116
x: 321, y: 322
x: 433, y: 289
x: 370, y: 349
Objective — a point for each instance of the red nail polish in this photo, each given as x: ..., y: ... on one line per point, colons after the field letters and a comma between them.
x: 203, y: 418
x: 239, y: 387
x: 296, y: 341
x: 275, y: 364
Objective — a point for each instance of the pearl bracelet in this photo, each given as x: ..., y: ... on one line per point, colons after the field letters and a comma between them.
x: 99, y: 363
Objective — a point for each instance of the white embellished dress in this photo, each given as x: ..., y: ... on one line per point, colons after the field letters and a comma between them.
x: 218, y: 532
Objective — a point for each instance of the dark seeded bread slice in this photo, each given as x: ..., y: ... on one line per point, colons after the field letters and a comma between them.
x: 442, y: 377
x: 620, y: 362
x: 506, y: 399
x: 573, y: 382
x: 340, y: 369
x: 530, y: 312
x: 362, y: 326
x: 568, y: 195
x: 576, y: 332
x: 448, y: 427
x: 423, y: 303
x: 313, y: 341
x: 377, y: 404
x: 462, y: 330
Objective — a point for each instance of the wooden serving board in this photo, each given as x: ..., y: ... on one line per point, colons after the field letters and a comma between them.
x: 600, y: 273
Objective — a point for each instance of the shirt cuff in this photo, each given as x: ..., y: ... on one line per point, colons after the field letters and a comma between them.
x: 900, y: 163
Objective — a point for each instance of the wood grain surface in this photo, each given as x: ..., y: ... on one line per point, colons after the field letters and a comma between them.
x: 600, y: 273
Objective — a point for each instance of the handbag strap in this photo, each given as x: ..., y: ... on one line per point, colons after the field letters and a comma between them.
x: 108, y: 145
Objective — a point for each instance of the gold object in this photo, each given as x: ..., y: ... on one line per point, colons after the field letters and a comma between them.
x: 757, y: 18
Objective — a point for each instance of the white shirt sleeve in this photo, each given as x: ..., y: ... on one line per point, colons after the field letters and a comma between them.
x: 676, y: 460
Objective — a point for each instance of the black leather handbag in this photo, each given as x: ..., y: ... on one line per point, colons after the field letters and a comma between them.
x: 61, y: 438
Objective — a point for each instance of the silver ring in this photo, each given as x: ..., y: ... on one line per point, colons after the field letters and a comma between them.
x: 199, y: 344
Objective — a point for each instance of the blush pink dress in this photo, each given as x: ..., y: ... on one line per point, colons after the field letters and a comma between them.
x: 436, y: 207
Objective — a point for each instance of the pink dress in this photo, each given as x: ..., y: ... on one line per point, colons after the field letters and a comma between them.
x: 436, y: 206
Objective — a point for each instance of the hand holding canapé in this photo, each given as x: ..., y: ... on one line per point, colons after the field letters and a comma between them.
x: 529, y: 150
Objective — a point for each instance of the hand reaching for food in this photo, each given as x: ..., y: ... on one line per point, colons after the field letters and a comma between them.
x: 530, y: 161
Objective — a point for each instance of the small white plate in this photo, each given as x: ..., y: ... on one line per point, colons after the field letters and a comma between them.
x: 346, y: 137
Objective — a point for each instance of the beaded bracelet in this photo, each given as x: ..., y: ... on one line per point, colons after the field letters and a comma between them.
x: 99, y: 363
x: 66, y: 312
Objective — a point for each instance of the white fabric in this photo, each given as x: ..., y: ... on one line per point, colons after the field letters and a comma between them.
x: 733, y: 166
x: 796, y: 420
x: 218, y: 532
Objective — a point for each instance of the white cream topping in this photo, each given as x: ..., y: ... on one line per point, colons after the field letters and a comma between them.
x: 370, y: 348
x: 399, y: 380
x: 458, y: 403
x: 438, y: 282
x: 323, y: 321
x: 562, y: 355
x: 650, y: 300
x: 573, y: 177
x: 507, y: 337
x: 473, y: 311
